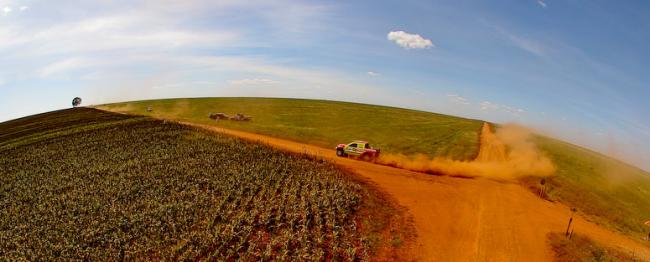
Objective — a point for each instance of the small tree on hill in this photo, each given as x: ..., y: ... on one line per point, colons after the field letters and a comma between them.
x: 76, y: 101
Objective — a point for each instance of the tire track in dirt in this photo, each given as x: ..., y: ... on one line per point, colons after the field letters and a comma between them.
x: 460, y: 219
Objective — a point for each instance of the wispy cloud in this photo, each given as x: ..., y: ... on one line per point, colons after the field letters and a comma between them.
x: 253, y: 81
x: 541, y: 3
x: 488, y: 109
x: 373, y: 74
x: 183, y: 84
x: 6, y: 10
x: 63, y: 66
x: 458, y: 99
x: 409, y: 41
x: 526, y: 44
x: 487, y: 106
x: 113, y: 32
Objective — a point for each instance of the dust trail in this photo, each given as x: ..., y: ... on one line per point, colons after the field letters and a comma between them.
x: 506, y: 154
x: 127, y: 108
x: 492, y: 149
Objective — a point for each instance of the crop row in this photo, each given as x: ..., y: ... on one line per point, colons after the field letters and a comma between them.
x: 147, y: 189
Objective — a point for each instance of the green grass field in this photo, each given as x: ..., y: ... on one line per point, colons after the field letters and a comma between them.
x: 608, y: 191
x: 85, y: 184
x: 328, y: 123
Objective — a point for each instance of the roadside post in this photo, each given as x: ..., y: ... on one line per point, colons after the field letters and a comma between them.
x: 573, y: 211
x: 542, y: 188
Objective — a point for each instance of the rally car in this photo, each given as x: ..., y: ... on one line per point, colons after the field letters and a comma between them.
x: 358, y: 149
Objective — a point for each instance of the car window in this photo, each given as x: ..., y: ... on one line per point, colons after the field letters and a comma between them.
x: 368, y: 146
x: 353, y: 145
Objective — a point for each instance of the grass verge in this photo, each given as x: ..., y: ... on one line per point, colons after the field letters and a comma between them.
x: 580, y: 248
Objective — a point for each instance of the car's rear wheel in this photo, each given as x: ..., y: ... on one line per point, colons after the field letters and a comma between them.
x: 366, y: 157
x: 340, y: 153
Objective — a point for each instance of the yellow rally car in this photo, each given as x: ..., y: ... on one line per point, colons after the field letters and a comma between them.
x: 358, y: 149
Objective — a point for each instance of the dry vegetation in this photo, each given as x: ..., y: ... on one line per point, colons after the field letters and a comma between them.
x: 580, y: 248
x: 91, y: 185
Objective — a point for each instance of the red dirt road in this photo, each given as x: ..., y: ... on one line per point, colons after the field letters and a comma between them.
x: 459, y: 219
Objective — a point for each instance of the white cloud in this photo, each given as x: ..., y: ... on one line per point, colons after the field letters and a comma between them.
x: 373, y: 74
x: 23, y: 8
x: 409, y: 41
x: 286, y: 80
x: 527, y: 45
x: 541, y: 3
x: 63, y: 66
x: 295, y: 18
x: 458, y: 99
x: 154, y: 52
x: 253, y: 81
x: 523, y: 43
x: 183, y: 84
x: 6, y: 10
x: 112, y: 32
x: 487, y: 106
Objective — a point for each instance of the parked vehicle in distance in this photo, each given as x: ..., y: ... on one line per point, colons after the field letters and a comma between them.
x: 218, y: 116
x: 358, y: 149
x: 241, y: 117
x: 223, y: 116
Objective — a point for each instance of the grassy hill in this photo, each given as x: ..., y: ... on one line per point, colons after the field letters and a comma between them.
x: 84, y: 184
x: 606, y: 190
x: 328, y: 123
x: 609, y: 191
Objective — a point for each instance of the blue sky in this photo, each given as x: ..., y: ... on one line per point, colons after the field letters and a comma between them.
x: 577, y: 70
